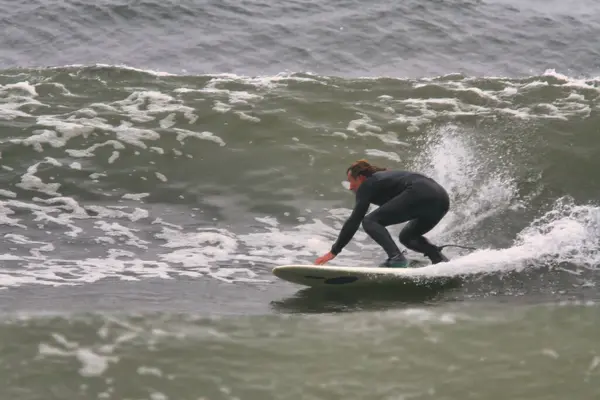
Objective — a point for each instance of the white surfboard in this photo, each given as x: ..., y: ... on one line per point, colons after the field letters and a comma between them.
x: 339, y: 276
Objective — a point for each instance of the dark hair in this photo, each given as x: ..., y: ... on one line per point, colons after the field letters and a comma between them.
x: 362, y: 167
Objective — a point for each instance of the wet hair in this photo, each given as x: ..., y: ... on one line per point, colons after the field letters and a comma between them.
x: 362, y: 167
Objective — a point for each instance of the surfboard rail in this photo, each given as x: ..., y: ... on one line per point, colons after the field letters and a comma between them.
x: 316, y: 275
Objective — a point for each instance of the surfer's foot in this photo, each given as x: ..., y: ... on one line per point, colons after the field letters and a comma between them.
x: 437, y: 256
x: 398, y: 261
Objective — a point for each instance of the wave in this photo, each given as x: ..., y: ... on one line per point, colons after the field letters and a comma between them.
x: 121, y: 173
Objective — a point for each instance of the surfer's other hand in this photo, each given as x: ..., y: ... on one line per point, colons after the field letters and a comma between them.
x: 323, y: 259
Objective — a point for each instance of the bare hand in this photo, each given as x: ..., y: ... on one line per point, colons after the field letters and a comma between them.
x: 323, y: 259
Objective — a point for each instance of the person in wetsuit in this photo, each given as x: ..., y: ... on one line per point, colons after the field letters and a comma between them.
x: 401, y: 196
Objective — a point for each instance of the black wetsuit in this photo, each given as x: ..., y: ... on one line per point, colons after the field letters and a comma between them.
x: 401, y: 196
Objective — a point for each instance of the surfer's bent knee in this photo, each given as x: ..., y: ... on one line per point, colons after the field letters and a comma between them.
x: 408, y: 239
x: 369, y: 222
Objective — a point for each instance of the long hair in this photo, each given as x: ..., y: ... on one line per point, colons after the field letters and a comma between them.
x: 362, y: 167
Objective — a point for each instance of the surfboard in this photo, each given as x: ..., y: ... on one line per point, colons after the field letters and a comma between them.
x: 342, y: 276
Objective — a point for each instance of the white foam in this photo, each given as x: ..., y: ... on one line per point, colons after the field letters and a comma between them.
x: 89, y: 152
x: 417, y: 112
x: 143, y: 370
x: 161, y: 176
x: 74, y: 127
x: 242, y: 97
x: 260, y: 82
x: 135, y: 136
x: 573, y: 82
x: 533, y: 85
x: 5, y: 211
x: 122, y: 233
x: 244, y: 116
x: 158, y: 396
x: 25, y: 87
x: 390, y: 155
x: 58, y: 213
x: 197, y: 248
x: 93, y: 362
x: 7, y: 193
x: 144, y: 106
x: 221, y: 107
x: 478, y: 188
x: 29, y: 181
x: 13, y: 96
x: 121, y: 66
x: 113, y: 157
x: 267, y: 220
x: 97, y: 175
x: 136, y: 196
x: 363, y: 125
x: 340, y: 134
x: 168, y: 121
x: 182, y: 134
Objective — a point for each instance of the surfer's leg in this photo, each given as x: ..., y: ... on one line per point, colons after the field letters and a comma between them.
x: 376, y: 229
x: 412, y: 237
x: 390, y: 213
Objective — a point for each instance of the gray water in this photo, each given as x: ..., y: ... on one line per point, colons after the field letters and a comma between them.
x: 342, y: 37
x: 159, y: 159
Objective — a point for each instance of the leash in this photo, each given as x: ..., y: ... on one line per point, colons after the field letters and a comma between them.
x: 456, y: 245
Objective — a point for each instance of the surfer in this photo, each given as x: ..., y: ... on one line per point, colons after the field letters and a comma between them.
x: 401, y: 196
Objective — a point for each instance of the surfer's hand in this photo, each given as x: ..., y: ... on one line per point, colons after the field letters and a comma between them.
x: 323, y: 259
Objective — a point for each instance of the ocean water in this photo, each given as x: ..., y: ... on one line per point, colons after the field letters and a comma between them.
x: 158, y: 159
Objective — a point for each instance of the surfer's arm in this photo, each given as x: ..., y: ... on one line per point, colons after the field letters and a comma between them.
x: 353, y: 222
